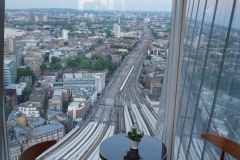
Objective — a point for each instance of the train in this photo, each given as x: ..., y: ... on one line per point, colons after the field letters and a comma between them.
x: 120, y: 90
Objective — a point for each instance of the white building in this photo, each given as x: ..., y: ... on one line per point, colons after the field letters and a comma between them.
x: 84, y: 80
x: 117, y: 30
x: 65, y: 34
x: 45, y: 18
x: 36, y: 18
x: 76, y: 109
x: 147, y: 20
x: 91, y: 15
x: 29, y: 109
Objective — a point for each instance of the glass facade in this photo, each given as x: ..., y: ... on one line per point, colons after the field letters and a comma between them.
x: 209, y: 88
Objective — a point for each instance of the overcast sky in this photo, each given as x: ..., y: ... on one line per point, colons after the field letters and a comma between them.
x: 134, y: 5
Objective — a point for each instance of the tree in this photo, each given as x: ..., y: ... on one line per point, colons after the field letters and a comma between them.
x: 108, y: 63
x: 55, y: 60
x: 124, y: 54
x: 96, y: 56
x: 50, y: 68
x: 99, y: 65
x: 82, y: 56
x: 148, y: 57
x: 26, y: 92
x: 85, y: 64
x: 57, y: 66
x: 43, y: 67
x: 26, y: 72
x: 46, y: 56
x: 7, y: 110
x: 100, y: 41
x: 65, y: 106
x: 71, y: 62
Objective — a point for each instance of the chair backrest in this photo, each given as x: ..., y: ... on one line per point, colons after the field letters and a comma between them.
x: 226, y: 145
x: 34, y: 151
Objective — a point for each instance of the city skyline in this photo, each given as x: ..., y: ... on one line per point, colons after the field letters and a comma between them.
x: 123, y: 5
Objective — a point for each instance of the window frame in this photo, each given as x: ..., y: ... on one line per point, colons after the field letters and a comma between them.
x: 3, y: 133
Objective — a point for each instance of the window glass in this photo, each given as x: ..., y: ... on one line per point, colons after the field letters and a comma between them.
x: 110, y: 54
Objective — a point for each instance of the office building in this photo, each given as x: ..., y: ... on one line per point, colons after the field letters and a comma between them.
x: 45, y: 18
x: 11, y: 53
x: 29, y: 109
x: 116, y: 30
x: 119, y: 20
x: 11, y: 44
x: 208, y: 97
x: 30, y: 17
x: 96, y: 80
x: 77, y: 110
x: 65, y: 34
x: 36, y: 18
x: 9, y: 72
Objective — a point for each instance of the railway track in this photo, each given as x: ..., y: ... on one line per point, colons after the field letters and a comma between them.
x: 111, y: 113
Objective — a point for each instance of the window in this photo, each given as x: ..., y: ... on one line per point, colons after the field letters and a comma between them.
x: 62, y: 37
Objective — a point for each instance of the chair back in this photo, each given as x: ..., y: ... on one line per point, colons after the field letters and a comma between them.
x: 34, y: 151
x: 226, y: 145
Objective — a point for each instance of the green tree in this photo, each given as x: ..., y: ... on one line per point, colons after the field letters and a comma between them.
x: 82, y: 56
x: 7, y: 110
x: 100, y: 41
x: 71, y: 62
x: 26, y: 92
x: 50, y: 68
x: 85, y: 64
x: 57, y: 66
x: 99, y: 65
x: 43, y: 67
x: 46, y: 56
x: 124, y: 54
x: 148, y: 57
x: 65, y: 106
x: 96, y: 56
x: 26, y: 72
x: 55, y: 60
x: 142, y: 82
x: 92, y: 67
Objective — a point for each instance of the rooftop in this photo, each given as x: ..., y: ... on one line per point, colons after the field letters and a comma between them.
x: 53, y: 126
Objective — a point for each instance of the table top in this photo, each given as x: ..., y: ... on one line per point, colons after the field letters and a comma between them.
x: 117, y: 146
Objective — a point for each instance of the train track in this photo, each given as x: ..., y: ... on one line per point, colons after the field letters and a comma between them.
x: 111, y: 113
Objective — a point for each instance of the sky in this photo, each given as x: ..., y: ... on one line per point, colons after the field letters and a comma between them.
x: 124, y: 5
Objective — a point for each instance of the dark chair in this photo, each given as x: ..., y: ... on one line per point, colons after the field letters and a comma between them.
x: 226, y: 145
x: 33, y: 152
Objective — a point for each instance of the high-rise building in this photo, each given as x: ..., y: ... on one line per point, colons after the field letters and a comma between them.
x: 45, y: 18
x: 85, y: 15
x: 11, y: 53
x: 65, y: 34
x: 119, y: 20
x: 116, y: 30
x: 30, y: 17
x: 11, y: 44
x: 68, y: 15
x: 208, y: 97
x: 36, y: 18
x: 9, y: 72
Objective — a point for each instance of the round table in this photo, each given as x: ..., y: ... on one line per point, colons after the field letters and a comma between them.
x: 117, y: 147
